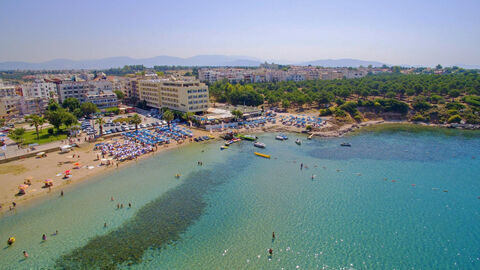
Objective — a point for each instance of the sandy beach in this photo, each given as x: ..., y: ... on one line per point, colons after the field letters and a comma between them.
x: 37, y: 170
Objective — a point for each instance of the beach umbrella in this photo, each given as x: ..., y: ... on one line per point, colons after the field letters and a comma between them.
x: 67, y: 172
x: 23, y: 187
x: 48, y: 181
x: 77, y: 164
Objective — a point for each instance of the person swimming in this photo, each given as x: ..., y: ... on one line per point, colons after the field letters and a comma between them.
x: 25, y: 254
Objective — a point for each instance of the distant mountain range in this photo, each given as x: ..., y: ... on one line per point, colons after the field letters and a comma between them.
x: 342, y: 63
x: 115, y: 62
x: 199, y: 60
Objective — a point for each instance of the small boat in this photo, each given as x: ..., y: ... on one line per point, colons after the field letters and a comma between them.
x: 345, y: 144
x: 262, y: 155
x: 248, y: 137
x: 223, y: 147
x: 298, y: 141
x: 278, y: 137
x: 310, y: 137
x: 259, y: 145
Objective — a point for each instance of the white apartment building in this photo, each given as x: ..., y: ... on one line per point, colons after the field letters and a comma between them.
x: 181, y: 95
x: 78, y: 90
x: 40, y: 89
x: 103, y: 99
x: 7, y: 90
x: 33, y: 105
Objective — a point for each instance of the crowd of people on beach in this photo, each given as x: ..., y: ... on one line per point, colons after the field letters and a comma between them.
x: 302, y: 121
x: 126, y: 150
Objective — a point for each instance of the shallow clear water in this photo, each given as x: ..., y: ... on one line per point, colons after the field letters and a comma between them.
x: 360, y: 211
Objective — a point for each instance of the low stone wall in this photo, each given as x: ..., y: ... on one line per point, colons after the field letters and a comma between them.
x: 30, y: 154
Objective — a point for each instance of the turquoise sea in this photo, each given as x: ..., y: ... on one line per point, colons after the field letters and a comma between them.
x: 395, y: 199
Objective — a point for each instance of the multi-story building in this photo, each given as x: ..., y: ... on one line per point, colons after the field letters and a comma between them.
x: 103, y: 99
x: 74, y: 89
x: 40, y: 89
x: 7, y: 91
x: 176, y: 94
x: 33, y: 105
x: 9, y: 106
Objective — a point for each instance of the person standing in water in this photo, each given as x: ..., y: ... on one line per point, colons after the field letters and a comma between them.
x: 301, y: 166
x: 273, y: 235
x: 270, y: 251
x: 61, y: 193
x: 44, y: 237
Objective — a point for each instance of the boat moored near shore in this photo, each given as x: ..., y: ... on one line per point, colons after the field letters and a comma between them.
x: 259, y: 145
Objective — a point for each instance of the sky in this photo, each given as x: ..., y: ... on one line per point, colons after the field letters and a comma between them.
x: 420, y: 32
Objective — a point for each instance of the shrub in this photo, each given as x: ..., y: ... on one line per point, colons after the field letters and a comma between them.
x: 455, y: 105
x: 339, y: 101
x: 437, y: 99
x: 455, y: 119
x: 309, y: 128
x: 420, y: 118
x: 421, y: 105
x: 472, y: 100
x: 325, y: 112
x: 340, y: 113
x: 50, y: 131
x: 350, y: 107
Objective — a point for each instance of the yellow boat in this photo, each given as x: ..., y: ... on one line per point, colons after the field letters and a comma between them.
x: 262, y: 155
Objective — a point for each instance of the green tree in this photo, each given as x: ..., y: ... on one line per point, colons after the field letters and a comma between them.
x: 285, y: 104
x: 168, y: 116
x: 100, y: 122
x: 68, y: 119
x: 17, y: 134
x: 120, y: 94
x: 55, y: 118
x: 71, y: 104
x: 52, y: 105
x: 136, y: 120
x: 36, y: 121
x: 237, y: 113
x: 2, y: 122
x: 188, y: 116
x: 88, y: 108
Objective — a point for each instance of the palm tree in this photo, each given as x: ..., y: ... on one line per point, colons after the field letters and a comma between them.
x: 74, y: 129
x: 188, y: 117
x: 100, y: 123
x: 168, y: 116
x: 137, y: 120
x: 36, y: 121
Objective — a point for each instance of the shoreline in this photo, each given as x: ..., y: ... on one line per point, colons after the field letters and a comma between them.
x: 39, y: 169
x: 36, y: 192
